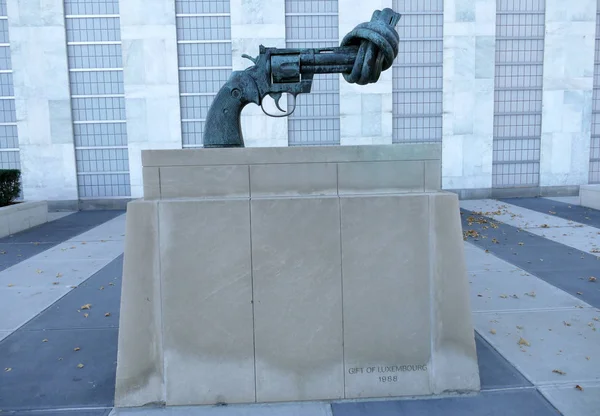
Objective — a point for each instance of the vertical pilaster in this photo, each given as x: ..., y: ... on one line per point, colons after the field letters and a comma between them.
x: 468, y: 98
x: 42, y: 99
x: 150, y: 64
x: 365, y: 110
x: 568, y: 87
x: 256, y: 22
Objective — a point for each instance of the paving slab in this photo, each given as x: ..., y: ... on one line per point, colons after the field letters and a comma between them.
x: 498, y: 403
x: 63, y: 412
x: 102, y: 292
x: 11, y: 254
x: 4, y: 334
x: 565, y: 267
x: 73, y: 249
x: 572, y: 401
x: 63, y: 228
x: 45, y: 375
x: 495, y: 372
x: 571, y: 211
x: 283, y: 409
x: 19, y: 305
x: 564, y: 340
x: 574, y: 234
x: 570, y: 200
x: 112, y: 230
x: 48, y: 272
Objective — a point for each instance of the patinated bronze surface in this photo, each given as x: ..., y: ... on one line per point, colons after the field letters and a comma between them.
x: 362, y: 56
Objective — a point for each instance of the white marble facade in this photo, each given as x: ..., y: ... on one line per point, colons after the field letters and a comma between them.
x: 568, y: 87
x: 468, y: 98
x: 365, y: 110
x: 42, y: 99
x: 150, y: 66
x: 151, y: 79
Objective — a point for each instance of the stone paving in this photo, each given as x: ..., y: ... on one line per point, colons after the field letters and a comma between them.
x: 534, y: 272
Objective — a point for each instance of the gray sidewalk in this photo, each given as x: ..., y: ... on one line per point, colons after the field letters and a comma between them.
x: 536, y: 312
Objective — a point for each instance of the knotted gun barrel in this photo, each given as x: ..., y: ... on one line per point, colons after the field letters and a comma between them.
x: 362, y: 56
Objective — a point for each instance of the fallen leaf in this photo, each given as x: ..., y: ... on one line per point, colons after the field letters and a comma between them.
x: 580, y: 293
x: 111, y: 284
x: 493, y: 332
x: 86, y: 315
x: 578, y: 387
x: 545, y: 226
x: 7, y: 369
x: 38, y: 271
x: 87, y: 306
x: 566, y: 323
x: 523, y: 341
x: 73, y: 287
x: 514, y: 296
x: 592, y: 279
x: 495, y: 241
x: 10, y: 285
x: 101, y: 287
x: 562, y: 373
x: 480, y: 296
x: 2, y: 252
x: 83, y: 242
x: 107, y: 314
x: 531, y: 294
x: 59, y: 275
x: 596, y: 319
x: 55, y: 283
x: 60, y: 359
x: 587, y: 358
x: 80, y: 365
x: 44, y: 340
x: 519, y: 327
x: 504, y: 296
x: 552, y: 212
x: 76, y: 349
x: 521, y: 244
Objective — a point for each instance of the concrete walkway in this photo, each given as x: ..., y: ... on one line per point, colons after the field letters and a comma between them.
x: 536, y: 309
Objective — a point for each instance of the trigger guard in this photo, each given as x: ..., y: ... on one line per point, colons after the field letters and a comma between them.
x: 279, y: 115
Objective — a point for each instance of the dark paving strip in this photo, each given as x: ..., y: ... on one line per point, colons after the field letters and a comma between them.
x: 45, y: 374
x: 577, y: 213
x: 495, y: 372
x: 527, y: 402
x: 564, y: 267
x: 74, y: 412
x: 21, y: 246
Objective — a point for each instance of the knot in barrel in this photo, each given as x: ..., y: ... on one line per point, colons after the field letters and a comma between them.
x: 378, y: 44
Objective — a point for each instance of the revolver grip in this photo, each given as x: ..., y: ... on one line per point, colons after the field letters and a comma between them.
x: 223, y: 126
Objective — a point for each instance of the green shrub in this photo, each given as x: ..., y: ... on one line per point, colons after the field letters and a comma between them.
x: 10, y: 186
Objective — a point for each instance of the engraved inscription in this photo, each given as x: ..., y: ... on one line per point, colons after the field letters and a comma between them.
x: 389, y: 371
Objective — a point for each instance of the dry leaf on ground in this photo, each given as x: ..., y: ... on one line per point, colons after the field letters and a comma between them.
x: 562, y: 373
x: 44, y: 340
x: 578, y: 387
x: 76, y: 349
x: 59, y: 275
x: 85, y: 315
x: 87, y: 306
x: 80, y: 365
x: 107, y: 314
x: 592, y: 279
x: 10, y: 285
x: 7, y: 369
x: 523, y: 341
x: 493, y: 332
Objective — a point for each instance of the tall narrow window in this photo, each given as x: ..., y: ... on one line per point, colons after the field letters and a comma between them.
x: 9, y: 140
x: 518, y: 92
x: 316, y: 120
x: 204, y: 50
x: 417, y: 72
x: 595, y: 145
x: 97, y: 98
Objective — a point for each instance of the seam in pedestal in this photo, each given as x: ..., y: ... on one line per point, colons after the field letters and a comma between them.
x: 432, y: 305
x: 252, y: 279
x: 160, y: 291
x: 341, y: 279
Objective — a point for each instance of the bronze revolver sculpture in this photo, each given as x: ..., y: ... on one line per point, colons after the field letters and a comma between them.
x: 363, y: 55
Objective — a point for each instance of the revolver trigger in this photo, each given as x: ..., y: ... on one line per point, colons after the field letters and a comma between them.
x: 277, y: 96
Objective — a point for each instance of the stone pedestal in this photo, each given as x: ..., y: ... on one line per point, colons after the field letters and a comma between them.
x: 289, y: 274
